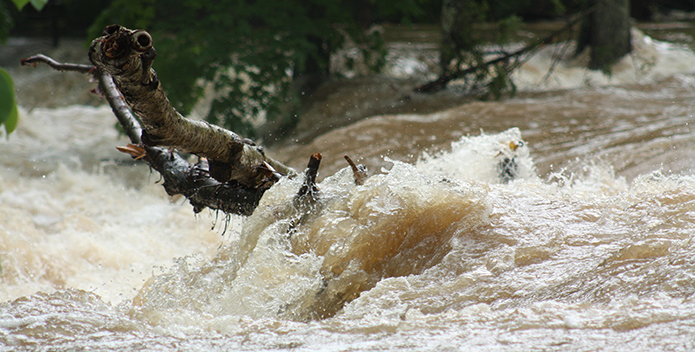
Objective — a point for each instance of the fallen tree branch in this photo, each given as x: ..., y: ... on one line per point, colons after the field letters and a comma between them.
x: 127, y: 55
x: 448, y: 76
x: 309, y: 189
x: 108, y: 88
x: 180, y: 177
x: 194, y: 182
x: 305, y: 201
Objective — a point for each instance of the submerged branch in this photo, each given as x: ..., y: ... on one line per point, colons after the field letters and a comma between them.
x: 305, y: 201
x: 307, y: 193
x: 358, y: 171
x: 448, y: 76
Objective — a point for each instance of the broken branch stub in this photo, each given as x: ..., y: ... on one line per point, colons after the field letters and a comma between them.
x: 358, y: 171
x: 127, y: 55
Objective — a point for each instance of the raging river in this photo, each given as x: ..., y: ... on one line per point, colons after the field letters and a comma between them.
x: 558, y: 220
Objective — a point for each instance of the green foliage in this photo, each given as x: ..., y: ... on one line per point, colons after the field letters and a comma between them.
x: 8, y: 107
x: 506, y: 27
x: 37, y: 4
x: 499, y: 82
x: 259, y: 56
x: 129, y: 13
x: 250, y: 52
x: 464, y: 49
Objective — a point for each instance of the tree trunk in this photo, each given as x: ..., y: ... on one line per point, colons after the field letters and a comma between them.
x: 607, y: 33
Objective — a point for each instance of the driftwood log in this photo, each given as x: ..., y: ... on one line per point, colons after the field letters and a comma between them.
x: 180, y: 177
x: 127, y: 55
x: 232, y: 173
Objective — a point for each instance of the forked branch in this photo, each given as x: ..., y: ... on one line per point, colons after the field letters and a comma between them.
x: 232, y: 174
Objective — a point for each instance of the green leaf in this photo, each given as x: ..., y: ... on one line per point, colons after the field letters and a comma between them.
x: 6, y: 95
x: 11, y: 122
x: 8, y: 107
x: 38, y: 4
x: 20, y: 3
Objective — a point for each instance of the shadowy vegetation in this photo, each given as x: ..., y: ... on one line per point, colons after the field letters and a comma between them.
x: 259, y: 57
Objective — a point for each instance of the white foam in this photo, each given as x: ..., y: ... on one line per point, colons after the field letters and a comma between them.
x: 491, y: 158
x: 650, y: 60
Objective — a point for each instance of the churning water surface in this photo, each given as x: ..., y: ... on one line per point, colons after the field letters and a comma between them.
x: 558, y: 220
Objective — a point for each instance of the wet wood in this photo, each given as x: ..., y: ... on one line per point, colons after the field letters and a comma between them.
x: 180, y: 177
x: 202, y: 191
x: 308, y: 192
x: 60, y: 66
x: 127, y: 55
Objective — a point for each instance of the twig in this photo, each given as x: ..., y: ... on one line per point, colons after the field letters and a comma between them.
x: 40, y: 58
x: 358, y: 171
x: 554, y: 63
x: 113, y: 96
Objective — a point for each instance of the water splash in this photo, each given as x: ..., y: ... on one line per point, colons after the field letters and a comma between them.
x: 293, y: 266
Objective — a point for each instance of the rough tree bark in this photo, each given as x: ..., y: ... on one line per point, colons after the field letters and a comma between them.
x: 180, y: 177
x: 232, y: 174
x: 127, y: 55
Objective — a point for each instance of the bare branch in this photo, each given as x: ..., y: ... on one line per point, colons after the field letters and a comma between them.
x: 120, y: 108
x: 358, y: 171
x: 180, y: 177
x: 127, y: 55
x: 40, y: 58
x: 312, y: 170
